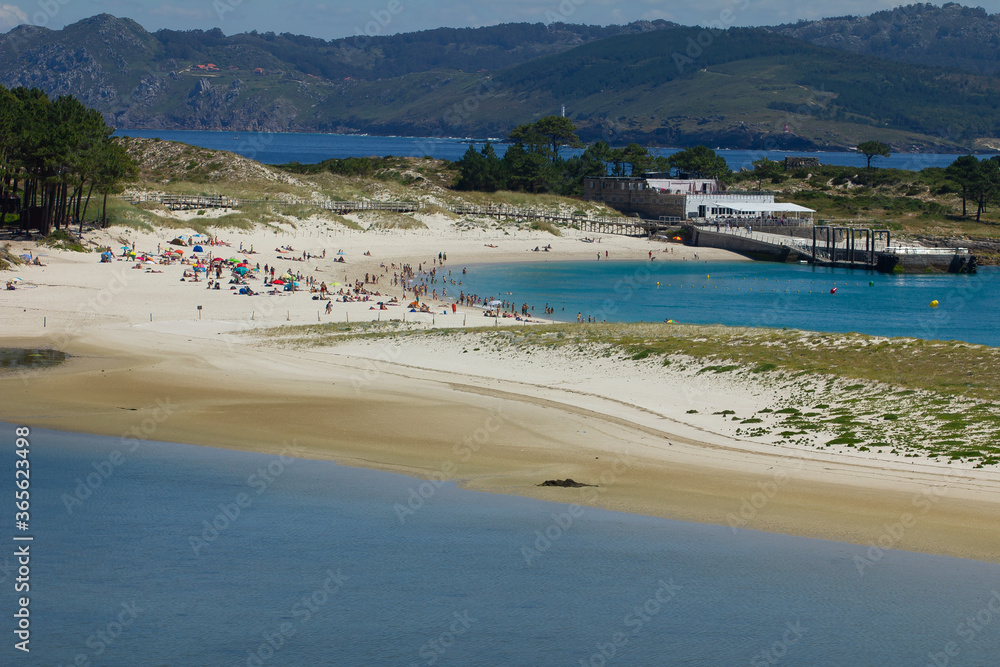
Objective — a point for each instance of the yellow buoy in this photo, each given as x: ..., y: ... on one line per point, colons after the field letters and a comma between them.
x: 934, y: 303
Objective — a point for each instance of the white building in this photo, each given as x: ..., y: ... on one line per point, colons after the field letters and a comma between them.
x: 688, y: 198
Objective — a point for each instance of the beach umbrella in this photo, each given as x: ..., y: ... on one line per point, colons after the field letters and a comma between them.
x: 198, y: 248
x: 279, y: 281
x: 17, y: 280
x: 242, y: 270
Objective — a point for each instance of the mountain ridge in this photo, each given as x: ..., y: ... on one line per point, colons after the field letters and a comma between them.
x: 748, y: 88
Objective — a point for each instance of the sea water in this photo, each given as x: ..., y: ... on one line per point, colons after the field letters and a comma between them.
x: 753, y: 294
x: 308, y: 148
x: 151, y: 553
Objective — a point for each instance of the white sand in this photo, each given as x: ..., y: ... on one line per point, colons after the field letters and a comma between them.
x: 401, y: 404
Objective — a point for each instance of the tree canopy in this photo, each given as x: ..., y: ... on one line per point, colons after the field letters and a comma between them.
x: 560, y: 131
x: 979, y: 180
x: 532, y: 162
x: 873, y: 149
x: 699, y: 162
x: 767, y: 169
x: 54, y: 153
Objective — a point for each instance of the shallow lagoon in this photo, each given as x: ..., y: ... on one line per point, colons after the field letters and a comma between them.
x: 755, y: 294
x: 183, y: 555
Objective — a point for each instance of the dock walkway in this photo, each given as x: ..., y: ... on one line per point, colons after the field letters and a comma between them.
x: 863, y: 248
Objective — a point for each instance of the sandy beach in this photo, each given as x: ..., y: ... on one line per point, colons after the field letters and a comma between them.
x: 146, y: 363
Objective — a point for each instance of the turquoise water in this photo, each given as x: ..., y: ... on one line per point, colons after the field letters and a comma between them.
x: 318, y: 569
x: 756, y: 294
x: 284, y: 147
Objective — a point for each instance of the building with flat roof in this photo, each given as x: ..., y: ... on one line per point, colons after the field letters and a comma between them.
x: 658, y: 197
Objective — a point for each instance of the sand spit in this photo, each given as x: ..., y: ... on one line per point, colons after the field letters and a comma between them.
x: 468, y: 406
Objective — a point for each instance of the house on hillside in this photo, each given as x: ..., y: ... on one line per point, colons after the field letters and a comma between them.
x: 658, y: 197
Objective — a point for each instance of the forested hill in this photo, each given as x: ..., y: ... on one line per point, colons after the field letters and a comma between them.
x: 256, y: 81
x: 950, y: 36
x: 749, y: 83
x: 124, y: 50
x: 646, y: 82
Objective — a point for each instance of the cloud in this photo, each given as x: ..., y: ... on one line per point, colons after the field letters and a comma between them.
x: 11, y: 16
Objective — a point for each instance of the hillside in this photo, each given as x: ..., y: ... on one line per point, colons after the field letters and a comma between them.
x: 743, y: 92
x: 918, y: 205
x: 953, y: 36
x: 205, y: 80
x: 751, y: 88
x: 282, y: 198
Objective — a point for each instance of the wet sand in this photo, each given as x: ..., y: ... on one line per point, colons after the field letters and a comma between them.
x: 205, y: 387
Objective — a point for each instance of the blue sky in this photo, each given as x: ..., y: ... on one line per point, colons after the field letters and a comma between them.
x: 340, y: 18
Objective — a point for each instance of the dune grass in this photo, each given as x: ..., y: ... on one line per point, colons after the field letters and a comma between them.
x: 902, y: 396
